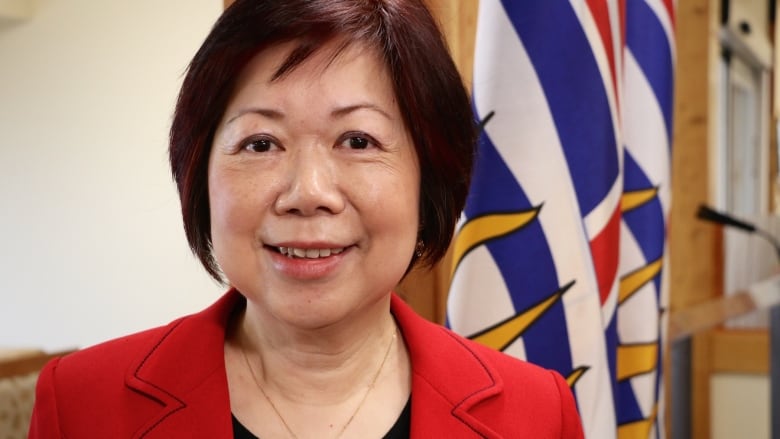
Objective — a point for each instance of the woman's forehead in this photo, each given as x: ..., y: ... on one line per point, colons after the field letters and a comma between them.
x: 353, y: 73
x: 278, y: 61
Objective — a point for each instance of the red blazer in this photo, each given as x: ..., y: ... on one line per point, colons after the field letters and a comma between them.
x: 170, y: 382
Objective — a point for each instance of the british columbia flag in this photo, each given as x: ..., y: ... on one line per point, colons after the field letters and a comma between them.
x: 560, y: 256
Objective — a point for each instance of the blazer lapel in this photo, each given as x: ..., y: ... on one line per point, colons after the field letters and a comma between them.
x: 449, y: 379
x: 184, y: 374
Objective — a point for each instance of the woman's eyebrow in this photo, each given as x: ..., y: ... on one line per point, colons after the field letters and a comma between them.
x: 266, y: 112
x: 338, y: 112
x: 347, y: 109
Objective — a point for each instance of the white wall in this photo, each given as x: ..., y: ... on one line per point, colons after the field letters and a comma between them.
x: 91, y: 236
x: 739, y: 406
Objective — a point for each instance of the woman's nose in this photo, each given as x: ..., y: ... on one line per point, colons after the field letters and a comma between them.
x: 312, y: 187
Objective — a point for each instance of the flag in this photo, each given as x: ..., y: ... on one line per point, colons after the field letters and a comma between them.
x: 560, y: 254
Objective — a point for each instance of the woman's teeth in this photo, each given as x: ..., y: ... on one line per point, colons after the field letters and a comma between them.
x: 309, y: 253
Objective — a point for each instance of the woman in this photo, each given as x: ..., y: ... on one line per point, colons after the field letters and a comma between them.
x: 321, y: 149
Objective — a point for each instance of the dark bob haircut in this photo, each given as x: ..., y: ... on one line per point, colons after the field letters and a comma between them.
x: 430, y: 93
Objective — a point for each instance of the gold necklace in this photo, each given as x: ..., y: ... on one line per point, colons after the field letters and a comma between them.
x: 354, y: 413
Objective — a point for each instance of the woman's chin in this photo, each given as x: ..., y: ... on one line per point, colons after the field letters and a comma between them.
x: 309, y: 312
x: 317, y: 312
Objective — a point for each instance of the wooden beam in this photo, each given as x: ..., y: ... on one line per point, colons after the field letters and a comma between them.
x: 700, y: 386
x: 696, y: 249
x: 739, y: 351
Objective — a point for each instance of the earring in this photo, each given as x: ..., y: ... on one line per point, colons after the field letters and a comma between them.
x: 418, y: 249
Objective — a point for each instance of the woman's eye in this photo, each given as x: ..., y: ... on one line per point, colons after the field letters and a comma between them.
x: 358, y: 142
x: 259, y: 145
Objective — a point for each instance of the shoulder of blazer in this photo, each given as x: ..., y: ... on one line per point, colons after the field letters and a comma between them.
x: 492, y: 394
x: 129, y: 385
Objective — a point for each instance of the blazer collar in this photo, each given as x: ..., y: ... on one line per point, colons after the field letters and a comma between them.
x: 449, y: 378
x: 184, y: 373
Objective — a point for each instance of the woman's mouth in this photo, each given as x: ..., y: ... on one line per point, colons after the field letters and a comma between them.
x: 309, y: 253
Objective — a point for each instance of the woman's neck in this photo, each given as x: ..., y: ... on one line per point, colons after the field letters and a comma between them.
x: 320, y: 366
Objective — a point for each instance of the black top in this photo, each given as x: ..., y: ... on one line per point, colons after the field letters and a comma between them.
x: 399, y: 430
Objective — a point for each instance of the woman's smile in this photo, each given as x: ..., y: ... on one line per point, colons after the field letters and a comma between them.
x: 311, y: 264
x: 309, y: 253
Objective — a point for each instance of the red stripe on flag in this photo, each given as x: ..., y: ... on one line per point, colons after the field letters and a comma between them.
x: 600, y: 12
x: 605, y: 248
x: 622, y: 15
x: 670, y: 10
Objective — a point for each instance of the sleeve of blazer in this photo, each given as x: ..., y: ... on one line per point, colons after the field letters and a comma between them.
x: 571, y: 426
x: 45, y: 423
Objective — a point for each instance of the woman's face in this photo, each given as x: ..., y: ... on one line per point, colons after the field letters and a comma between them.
x: 314, y: 187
